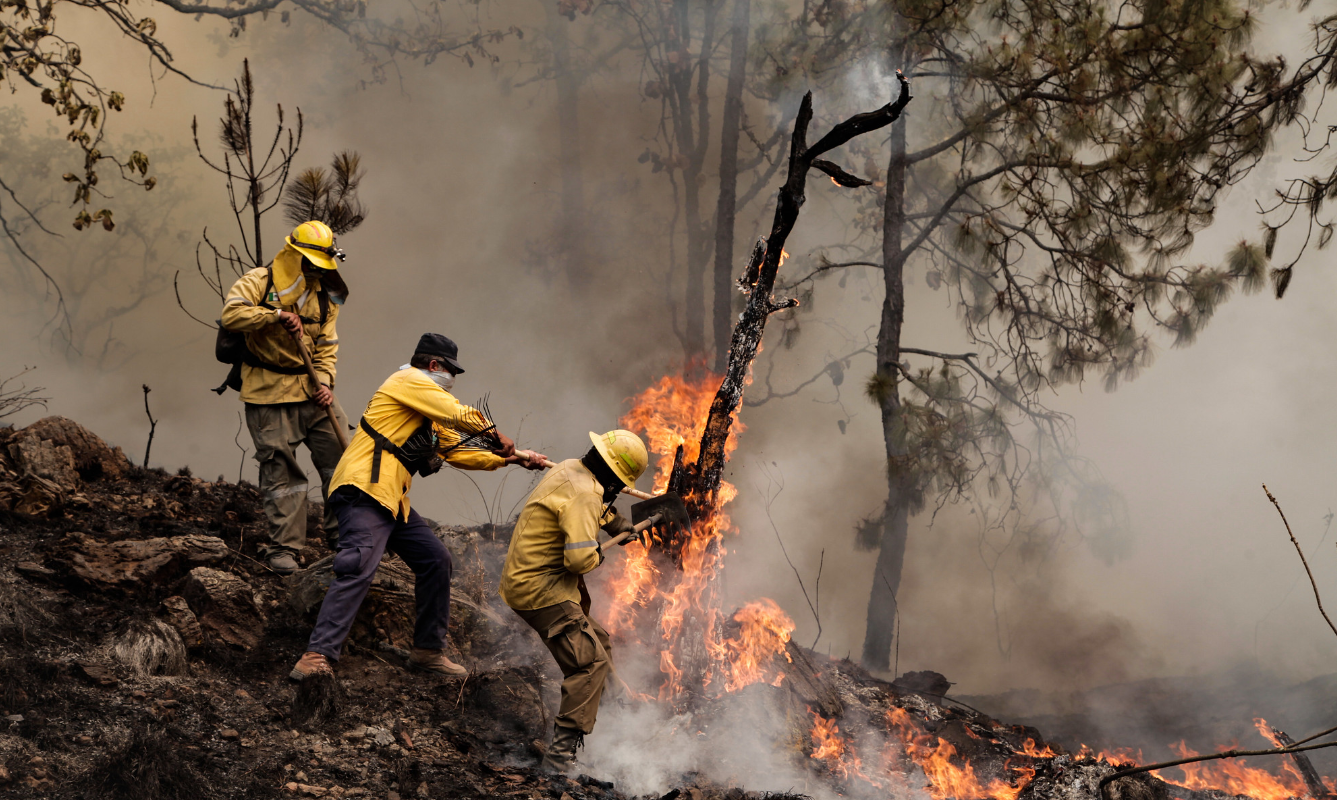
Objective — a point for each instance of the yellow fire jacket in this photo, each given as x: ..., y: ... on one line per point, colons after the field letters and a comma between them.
x: 395, y: 411
x: 555, y: 539
x: 267, y: 339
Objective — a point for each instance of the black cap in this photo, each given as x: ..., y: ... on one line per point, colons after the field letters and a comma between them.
x: 438, y: 346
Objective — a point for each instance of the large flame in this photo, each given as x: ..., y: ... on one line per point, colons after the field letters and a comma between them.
x: 948, y: 775
x: 670, y: 414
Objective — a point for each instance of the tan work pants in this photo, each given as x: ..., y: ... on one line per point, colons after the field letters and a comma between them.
x: 584, y: 655
x: 277, y: 429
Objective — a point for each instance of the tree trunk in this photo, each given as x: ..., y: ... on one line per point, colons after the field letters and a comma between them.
x: 693, y: 135
x: 730, y: 124
x: 571, y: 221
x: 882, y: 603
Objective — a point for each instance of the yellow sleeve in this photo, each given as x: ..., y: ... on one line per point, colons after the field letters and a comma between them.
x: 242, y: 310
x: 474, y: 459
x: 327, y: 349
x: 579, y: 519
x: 426, y: 398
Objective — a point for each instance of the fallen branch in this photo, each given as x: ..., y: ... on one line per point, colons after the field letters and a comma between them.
x: 1313, y: 782
x: 153, y: 426
x: 1280, y: 751
x: 1303, y: 560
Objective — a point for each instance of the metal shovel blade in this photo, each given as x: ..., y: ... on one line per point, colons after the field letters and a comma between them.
x: 670, y: 509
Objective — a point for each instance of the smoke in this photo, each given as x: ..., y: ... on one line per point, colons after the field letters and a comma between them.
x: 463, y: 183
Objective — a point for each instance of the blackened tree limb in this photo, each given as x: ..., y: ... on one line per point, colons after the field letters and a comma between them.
x: 1313, y: 782
x: 747, y: 334
x: 859, y: 124
x: 153, y: 426
x: 1303, y: 560
x: 840, y: 176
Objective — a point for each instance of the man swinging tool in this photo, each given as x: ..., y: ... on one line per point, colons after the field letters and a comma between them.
x: 410, y: 420
x: 286, y: 314
x: 554, y: 544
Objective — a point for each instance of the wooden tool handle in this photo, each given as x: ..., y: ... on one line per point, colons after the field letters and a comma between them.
x: 636, y: 531
x: 329, y: 410
x: 528, y: 455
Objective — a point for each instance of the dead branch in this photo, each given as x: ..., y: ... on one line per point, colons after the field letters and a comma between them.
x: 153, y: 426
x: 12, y: 401
x: 237, y: 441
x: 1303, y: 560
x: 1280, y: 751
x: 1313, y: 782
x: 747, y: 334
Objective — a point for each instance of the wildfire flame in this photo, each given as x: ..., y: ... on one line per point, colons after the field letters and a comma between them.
x: 947, y: 778
x: 670, y: 414
x: 763, y: 631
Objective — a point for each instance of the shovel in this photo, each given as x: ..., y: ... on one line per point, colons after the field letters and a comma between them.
x: 666, y: 509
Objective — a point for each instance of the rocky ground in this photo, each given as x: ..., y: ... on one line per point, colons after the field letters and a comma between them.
x: 144, y: 652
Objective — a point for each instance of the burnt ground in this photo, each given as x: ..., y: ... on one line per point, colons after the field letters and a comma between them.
x: 144, y: 652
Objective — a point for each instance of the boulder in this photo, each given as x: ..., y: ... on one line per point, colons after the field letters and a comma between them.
x: 225, y: 606
x: 137, y: 563
x: 93, y: 458
x: 35, y: 456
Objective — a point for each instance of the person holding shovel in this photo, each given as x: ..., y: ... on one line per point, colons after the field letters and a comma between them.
x: 411, y: 425
x: 554, y: 544
x: 283, y: 310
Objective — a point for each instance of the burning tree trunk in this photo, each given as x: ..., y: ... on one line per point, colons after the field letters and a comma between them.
x: 760, y: 280
x: 689, y: 619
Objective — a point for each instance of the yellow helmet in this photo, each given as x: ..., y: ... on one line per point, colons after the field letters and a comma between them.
x: 315, y: 240
x: 624, y: 452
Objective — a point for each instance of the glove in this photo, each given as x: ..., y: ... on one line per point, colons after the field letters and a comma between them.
x: 433, y: 465
x: 618, y: 525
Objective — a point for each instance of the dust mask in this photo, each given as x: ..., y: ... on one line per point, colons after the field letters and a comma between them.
x: 443, y: 379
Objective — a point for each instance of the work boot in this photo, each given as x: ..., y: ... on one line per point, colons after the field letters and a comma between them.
x: 435, y: 661
x: 561, y: 755
x: 309, y: 664
x: 282, y: 562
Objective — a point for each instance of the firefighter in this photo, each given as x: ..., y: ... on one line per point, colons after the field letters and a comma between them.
x: 299, y: 296
x: 410, y: 419
x: 554, y: 544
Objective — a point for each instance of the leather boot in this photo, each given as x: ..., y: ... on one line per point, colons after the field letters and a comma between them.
x: 435, y: 661
x: 310, y: 664
x: 561, y: 755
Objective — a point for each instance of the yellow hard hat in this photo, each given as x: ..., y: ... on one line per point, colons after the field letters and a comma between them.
x: 315, y: 240
x: 624, y: 452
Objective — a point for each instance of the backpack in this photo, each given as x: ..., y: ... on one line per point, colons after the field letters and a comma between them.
x: 417, y: 453
x: 230, y: 346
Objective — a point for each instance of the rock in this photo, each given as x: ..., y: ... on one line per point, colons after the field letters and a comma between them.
x: 229, y: 733
x: 84, y: 740
x: 926, y: 682
x: 97, y: 674
x: 93, y: 459
x: 32, y: 569
x: 151, y: 647
x: 136, y: 564
x: 5, y: 777
x: 36, y: 497
x: 355, y: 791
x: 176, y: 612
x: 34, y: 456
x: 392, y: 795
x: 225, y: 606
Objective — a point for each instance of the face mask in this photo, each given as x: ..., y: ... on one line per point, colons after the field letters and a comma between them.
x: 443, y: 379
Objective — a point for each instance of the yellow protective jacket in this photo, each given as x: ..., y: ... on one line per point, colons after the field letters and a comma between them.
x: 555, y: 539
x: 267, y: 339
x: 395, y: 411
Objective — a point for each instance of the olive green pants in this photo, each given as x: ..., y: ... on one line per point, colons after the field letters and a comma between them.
x: 584, y: 655
x: 277, y: 429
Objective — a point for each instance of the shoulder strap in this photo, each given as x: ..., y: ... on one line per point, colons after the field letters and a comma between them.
x: 269, y: 284
x: 379, y: 445
x: 323, y: 297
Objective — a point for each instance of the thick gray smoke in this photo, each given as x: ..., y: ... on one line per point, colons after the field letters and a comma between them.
x: 463, y: 183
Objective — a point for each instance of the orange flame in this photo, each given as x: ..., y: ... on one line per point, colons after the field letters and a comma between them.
x: 763, y: 632
x: 1233, y: 777
x: 948, y: 779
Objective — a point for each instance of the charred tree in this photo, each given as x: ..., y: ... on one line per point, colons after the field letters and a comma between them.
x: 689, y: 662
x: 759, y: 280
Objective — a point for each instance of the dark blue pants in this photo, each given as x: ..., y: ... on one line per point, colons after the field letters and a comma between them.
x: 366, y: 530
